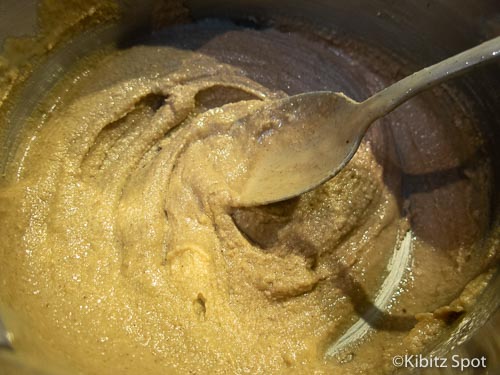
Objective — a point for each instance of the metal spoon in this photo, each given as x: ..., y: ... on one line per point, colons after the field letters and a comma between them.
x: 309, y: 138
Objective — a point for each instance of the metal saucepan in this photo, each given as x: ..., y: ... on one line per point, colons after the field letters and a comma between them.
x: 417, y: 32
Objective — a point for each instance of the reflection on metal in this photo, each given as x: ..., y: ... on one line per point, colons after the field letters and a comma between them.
x: 396, y: 268
x: 5, y: 342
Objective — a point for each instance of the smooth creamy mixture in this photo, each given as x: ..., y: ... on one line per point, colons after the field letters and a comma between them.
x: 122, y: 251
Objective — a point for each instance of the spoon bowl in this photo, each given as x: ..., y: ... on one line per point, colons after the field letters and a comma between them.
x: 307, y: 145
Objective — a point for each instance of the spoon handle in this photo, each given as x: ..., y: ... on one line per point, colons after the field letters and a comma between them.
x: 391, y: 97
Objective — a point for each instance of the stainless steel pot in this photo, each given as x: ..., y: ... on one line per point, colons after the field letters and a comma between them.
x: 418, y: 32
